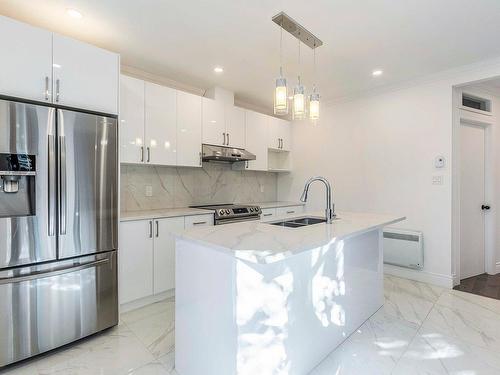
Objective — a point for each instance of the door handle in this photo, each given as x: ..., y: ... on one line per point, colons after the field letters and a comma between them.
x: 485, y: 207
x: 224, y: 141
x: 62, y: 184
x: 51, y: 185
x: 142, y: 154
x: 227, y: 139
x: 149, y: 154
x: 58, y: 84
x: 46, y: 88
x: 200, y: 157
x: 157, y: 229
x: 150, y: 229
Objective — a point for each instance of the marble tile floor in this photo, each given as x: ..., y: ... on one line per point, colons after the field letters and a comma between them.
x: 421, y: 329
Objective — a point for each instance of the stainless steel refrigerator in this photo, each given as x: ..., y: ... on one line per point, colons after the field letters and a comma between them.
x: 58, y: 227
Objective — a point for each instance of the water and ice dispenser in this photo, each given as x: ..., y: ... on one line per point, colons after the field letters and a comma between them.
x: 17, y: 185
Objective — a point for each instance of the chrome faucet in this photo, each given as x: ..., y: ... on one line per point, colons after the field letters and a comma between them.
x: 329, y: 211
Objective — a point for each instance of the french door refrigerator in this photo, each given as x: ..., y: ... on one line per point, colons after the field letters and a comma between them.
x: 58, y: 227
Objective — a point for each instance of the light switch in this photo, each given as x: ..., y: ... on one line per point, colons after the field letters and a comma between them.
x: 437, y: 180
x: 149, y: 191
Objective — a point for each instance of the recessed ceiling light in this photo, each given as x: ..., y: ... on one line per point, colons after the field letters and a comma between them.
x: 218, y: 69
x: 377, y: 73
x: 74, y: 13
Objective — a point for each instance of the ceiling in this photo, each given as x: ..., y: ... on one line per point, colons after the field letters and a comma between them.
x: 184, y: 40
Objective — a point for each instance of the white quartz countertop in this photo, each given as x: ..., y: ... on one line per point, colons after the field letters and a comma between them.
x: 163, y: 213
x: 186, y: 211
x: 260, y: 242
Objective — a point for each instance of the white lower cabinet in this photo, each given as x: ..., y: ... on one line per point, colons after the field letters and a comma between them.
x: 135, y: 256
x: 268, y: 214
x: 164, y: 253
x: 289, y: 211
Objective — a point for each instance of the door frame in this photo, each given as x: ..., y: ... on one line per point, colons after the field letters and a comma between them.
x: 463, y: 116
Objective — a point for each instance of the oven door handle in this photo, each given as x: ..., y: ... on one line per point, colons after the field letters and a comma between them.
x: 236, y: 220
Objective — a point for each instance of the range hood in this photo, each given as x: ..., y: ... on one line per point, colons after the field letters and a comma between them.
x: 225, y: 154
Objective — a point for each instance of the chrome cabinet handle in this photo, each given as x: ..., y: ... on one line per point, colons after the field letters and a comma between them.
x: 62, y: 185
x: 290, y: 212
x: 227, y: 139
x: 246, y: 165
x: 150, y: 229
x: 46, y: 88
x: 268, y: 214
x: 200, y: 157
x: 199, y: 222
x: 224, y: 142
x: 142, y: 154
x: 157, y: 229
x: 58, y: 84
x: 149, y: 154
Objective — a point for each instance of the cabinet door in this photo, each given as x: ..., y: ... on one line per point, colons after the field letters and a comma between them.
x: 214, y: 126
x: 289, y: 211
x: 188, y: 129
x: 131, y: 120
x: 135, y: 255
x: 199, y: 221
x: 26, y: 62
x: 235, y: 126
x: 85, y: 76
x: 279, y: 134
x: 161, y: 125
x: 164, y: 253
x: 256, y: 134
x: 268, y: 214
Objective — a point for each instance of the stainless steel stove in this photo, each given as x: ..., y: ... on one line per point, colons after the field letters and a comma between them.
x: 232, y: 213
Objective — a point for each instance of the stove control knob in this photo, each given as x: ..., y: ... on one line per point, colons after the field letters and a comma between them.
x: 221, y: 212
x: 250, y: 209
x: 227, y: 211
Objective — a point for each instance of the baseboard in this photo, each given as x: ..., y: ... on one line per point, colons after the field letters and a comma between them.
x: 146, y: 301
x: 422, y: 276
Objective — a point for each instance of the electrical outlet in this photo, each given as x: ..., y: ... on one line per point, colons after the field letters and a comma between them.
x: 437, y: 180
x: 149, y: 191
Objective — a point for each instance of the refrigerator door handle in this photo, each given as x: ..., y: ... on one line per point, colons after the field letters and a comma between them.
x: 62, y: 185
x: 53, y: 272
x: 52, y: 182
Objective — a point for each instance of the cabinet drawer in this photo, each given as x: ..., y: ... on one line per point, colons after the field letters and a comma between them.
x: 198, y: 221
x: 289, y: 211
x: 268, y: 214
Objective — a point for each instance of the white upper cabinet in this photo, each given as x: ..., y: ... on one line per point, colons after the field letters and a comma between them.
x: 131, y: 120
x: 188, y: 129
x: 235, y: 127
x: 256, y: 134
x: 279, y: 134
x: 26, y: 61
x: 214, y: 126
x: 84, y: 76
x: 161, y: 127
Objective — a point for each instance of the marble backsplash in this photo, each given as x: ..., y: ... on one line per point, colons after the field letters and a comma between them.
x: 174, y: 187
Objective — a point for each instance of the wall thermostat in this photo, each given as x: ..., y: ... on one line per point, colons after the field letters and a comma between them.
x: 439, y: 162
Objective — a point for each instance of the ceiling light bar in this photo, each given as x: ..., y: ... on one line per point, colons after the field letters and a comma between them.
x: 297, y: 30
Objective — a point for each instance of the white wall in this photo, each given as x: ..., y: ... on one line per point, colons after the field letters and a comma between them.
x: 378, y: 151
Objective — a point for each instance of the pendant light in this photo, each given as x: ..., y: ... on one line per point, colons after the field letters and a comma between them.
x: 299, y: 102
x: 281, y: 90
x: 314, y: 97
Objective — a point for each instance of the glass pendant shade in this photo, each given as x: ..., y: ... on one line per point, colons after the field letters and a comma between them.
x: 280, y: 97
x: 314, y: 106
x: 299, y: 103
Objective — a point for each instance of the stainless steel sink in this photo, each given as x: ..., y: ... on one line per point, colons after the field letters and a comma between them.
x: 299, y: 222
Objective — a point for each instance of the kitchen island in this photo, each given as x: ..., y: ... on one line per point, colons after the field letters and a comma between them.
x: 255, y: 298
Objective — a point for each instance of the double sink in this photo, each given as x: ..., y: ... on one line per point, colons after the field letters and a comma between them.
x: 299, y: 222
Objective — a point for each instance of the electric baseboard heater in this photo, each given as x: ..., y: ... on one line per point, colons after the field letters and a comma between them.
x: 403, y: 248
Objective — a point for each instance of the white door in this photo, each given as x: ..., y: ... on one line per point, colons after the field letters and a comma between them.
x: 279, y: 134
x: 135, y: 255
x: 214, y: 127
x: 256, y: 136
x: 188, y: 129
x: 235, y: 127
x: 131, y: 120
x: 26, y: 61
x: 161, y: 125
x: 85, y: 76
x: 472, y: 257
x: 164, y: 253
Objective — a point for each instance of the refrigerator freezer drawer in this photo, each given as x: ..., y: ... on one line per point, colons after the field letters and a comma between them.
x: 46, y: 306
